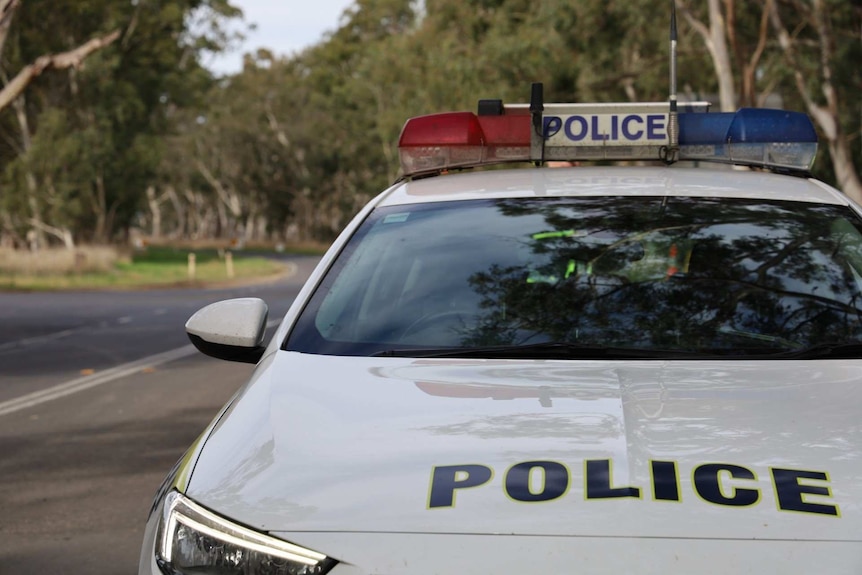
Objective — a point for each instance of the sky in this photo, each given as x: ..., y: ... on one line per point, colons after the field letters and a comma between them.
x: 283, y: 26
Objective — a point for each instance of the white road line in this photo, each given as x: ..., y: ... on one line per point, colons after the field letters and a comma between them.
x: 36, y: 339
x: 90, y: 381
x: 107, y: 376
x: 40, y: 339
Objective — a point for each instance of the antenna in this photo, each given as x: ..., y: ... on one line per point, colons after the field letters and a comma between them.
x: 537, y: 138
x: 673, y: 118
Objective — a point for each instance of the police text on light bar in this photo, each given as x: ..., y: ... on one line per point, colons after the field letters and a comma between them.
x: 773, y: 139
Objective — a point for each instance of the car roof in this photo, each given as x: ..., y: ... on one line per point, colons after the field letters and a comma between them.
x: 721, y: 181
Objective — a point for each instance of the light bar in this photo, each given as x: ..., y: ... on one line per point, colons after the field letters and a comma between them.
x: 774, y: 139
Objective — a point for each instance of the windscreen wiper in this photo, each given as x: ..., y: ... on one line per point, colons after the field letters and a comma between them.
x: 550, y: 350
x: 824, y: 351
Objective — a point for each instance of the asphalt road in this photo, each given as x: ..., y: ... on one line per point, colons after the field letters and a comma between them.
x: 99, y: 395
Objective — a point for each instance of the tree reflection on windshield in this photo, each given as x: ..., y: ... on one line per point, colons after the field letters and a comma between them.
x: 689, y: 274
x: 733, y: 276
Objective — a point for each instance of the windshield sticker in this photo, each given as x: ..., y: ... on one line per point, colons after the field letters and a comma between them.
x: 396, y: 218
x: 724, y: 484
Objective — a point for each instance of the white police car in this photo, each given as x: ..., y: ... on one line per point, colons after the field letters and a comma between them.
x: 558, y: 370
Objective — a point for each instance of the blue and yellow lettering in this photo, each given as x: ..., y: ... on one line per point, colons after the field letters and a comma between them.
x: 583, y: 128
x: 707, y: 480
x: 598, y: 481
x: 790, y: 493
x: 447, y: 478
x: 655, y: 127
x: 665, y: 481
x: 627, y: 130
x: 554, y: 481
x: 552, y: 125
x: 596, y: 131
x: 723, y: 484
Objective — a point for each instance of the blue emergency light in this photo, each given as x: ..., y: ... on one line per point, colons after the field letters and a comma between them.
x: 774, y: 139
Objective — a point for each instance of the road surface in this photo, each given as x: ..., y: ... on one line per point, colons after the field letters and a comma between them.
x: 100, y: 394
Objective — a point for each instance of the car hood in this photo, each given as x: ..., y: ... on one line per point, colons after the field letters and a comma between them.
x: 700, y: 450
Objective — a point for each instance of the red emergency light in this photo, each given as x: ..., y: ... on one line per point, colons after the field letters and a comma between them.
x: 439, y: 142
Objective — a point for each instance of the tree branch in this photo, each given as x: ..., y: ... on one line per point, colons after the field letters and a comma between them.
x: 716, y: 44
x: 63, y: 234
x: 229, y: 200
x: 826, y: 116
x: 7, y: 11
x: 788, y: 47
x: 750, y: 67
x: 70, y: 59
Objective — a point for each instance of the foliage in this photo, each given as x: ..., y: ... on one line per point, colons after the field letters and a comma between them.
x: 292, y: 146
x: 88, y: 140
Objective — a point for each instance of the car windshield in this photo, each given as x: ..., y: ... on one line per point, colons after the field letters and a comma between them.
x: 727, y: 277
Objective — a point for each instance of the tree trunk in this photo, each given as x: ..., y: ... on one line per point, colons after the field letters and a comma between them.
x: 826, y: 116
x: 155, y: 212
x: 845, y: 172
x: 9, y: 238
x: 748, y: 96
x: 100, y: 210
x: 199, y: 219
x: 38, y: 232
x: 716, y: 44
x: 63, y: 234
x: 229, y: 199
x: 7, y: 12
x: 179, y: 211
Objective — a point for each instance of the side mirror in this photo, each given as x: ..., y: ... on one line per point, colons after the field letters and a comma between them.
x: 231, y: 329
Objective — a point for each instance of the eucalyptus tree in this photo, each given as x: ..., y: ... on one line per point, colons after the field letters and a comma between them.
x: 293, y: 146
x: 104, y: 117
x: 804, y: 53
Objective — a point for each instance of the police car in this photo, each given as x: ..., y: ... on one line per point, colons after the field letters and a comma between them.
x: 643, y: 368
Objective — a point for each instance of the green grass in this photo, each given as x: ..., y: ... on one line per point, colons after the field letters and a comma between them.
x: 153, y: 267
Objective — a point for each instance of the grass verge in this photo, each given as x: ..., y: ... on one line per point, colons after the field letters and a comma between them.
x: 153, y: 267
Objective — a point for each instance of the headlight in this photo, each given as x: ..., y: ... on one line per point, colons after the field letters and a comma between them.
x: 193, y: 540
